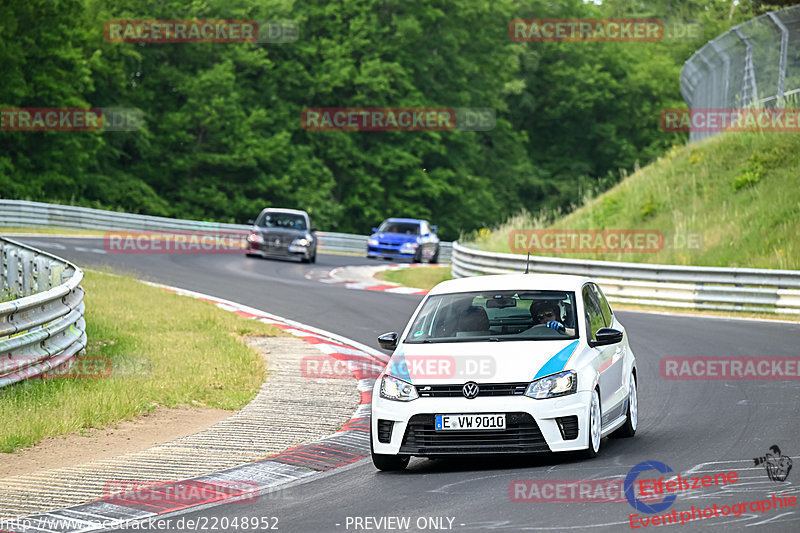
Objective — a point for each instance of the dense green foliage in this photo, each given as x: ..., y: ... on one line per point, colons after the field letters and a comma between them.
x: 223, y: 138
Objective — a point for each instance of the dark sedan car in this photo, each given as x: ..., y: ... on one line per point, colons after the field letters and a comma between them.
x: 283, y: 233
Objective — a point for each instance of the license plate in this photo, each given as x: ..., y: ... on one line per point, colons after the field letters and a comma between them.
x: 461, y: 422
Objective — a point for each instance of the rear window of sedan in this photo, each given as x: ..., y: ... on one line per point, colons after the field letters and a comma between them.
x: 495, y: 316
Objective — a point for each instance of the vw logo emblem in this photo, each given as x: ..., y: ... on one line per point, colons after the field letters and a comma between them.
x: 470, y: 390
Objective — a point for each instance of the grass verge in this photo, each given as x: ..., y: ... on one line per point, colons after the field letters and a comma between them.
x: 164, y: 350
x: 10, y: 231
x: 420, y: 278
x: 738, y: 192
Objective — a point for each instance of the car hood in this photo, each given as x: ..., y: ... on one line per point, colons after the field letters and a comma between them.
x: 281, y: 233
x: 395, y: 238
x: 481, y: 362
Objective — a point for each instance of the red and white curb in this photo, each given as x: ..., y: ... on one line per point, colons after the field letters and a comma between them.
x: 347, y: 446
x: 362, y: 278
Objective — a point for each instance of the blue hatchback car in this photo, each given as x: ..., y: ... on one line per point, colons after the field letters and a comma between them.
x: 408, y: 238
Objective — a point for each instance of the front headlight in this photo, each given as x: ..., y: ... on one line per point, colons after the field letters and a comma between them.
x: 372, y: 242
x: 301, y: 242
x: 255, y: 237
x: 552, y: 386
x: 398, y: 390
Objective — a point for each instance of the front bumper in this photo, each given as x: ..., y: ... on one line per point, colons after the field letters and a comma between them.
x: 532, y: 425
x: 382, y: 250
x: 282, y: 250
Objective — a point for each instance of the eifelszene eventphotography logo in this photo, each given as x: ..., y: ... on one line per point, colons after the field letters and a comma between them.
x: 777, y: 465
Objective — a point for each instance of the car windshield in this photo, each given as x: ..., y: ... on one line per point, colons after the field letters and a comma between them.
x: 409, y: 228
x: 282, y: 220
x: 495, y: 316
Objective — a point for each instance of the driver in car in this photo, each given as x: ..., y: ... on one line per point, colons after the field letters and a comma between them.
x: 546, y: 312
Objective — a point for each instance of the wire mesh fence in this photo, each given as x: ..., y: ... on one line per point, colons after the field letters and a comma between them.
x: 753, y: 65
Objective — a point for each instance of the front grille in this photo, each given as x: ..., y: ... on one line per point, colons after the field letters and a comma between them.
x: 486, y: 389
x: 385, y: 430
x: 274, y: 241
x: 568, y: 425
x: 522, y: 435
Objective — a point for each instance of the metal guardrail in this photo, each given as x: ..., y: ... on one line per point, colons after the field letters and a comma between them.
x: 745, y: 289
x: 357, y: 244
x: 20, y: 213
x: 747, y: 66
x: 41, y: 314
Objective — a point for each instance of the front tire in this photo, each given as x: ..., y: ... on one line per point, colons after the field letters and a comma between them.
x: 595, y: 418
x: 435, y: 258
x: 632, y: 421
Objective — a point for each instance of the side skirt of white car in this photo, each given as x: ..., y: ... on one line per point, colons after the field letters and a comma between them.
x: 616, y: 424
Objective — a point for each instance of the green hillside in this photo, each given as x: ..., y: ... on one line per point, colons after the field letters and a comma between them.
x: 737, y: 194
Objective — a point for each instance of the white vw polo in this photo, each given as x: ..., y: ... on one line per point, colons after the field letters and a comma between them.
x: 517, y: 363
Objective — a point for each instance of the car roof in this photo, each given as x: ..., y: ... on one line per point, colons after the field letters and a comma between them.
x: 282, y: 210
x: 412, y: 220
x: 501, y: 282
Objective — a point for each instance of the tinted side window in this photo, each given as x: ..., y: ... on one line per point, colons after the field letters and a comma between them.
x: 604, y: 307
x: 593, y: 315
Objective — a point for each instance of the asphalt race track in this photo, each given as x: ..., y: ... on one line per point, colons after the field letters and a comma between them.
x: 695, y: 427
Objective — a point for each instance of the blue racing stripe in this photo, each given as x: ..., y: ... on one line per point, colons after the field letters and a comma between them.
x: 557, y: 362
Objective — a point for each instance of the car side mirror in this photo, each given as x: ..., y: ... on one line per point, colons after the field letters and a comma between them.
x: 435, y: 228
x: 251, y: 221
x: 374, y: 230
x: 606, y: 336
x: 313, y: 229
x: 388, y: 341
